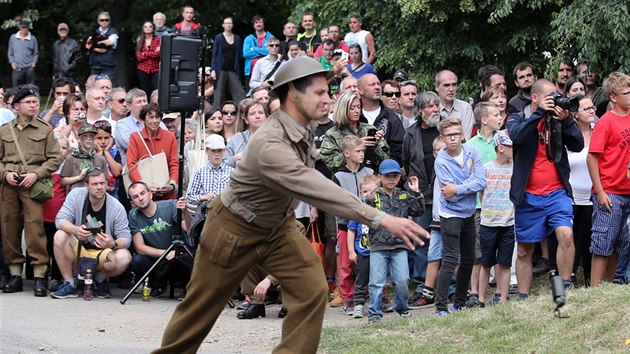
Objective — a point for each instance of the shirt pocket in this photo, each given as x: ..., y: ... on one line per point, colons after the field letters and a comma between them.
x: 35, y: 148
x: 9, y: 146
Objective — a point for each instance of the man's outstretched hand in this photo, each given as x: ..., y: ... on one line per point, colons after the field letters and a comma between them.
x: 405, y: 229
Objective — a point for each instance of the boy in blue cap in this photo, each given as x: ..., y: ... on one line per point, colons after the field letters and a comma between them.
x: 386, y: 251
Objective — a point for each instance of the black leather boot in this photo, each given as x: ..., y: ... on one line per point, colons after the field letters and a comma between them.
x: 253, y: 311
x: 14, y: 284
x: 40, y: 287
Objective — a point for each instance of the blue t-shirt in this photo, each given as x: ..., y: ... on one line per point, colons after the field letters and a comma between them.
x: 361, y: 240
x: 365, y: 69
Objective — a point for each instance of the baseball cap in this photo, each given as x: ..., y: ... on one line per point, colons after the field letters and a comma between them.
x: 215, y: 142
x: 401, y: 75
x: 173, y: 115
x: 87, y: 128
x: 23, y: 93
x: 501, y: 138
x: 62, y: 26
x: 389, y: 166
x: 24, y: 23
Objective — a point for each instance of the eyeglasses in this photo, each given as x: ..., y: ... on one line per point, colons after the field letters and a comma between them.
x: 409, y: 82
x: 273, y: 45
x: 228, y: 113
x: 103, y: 20
x: 452, y: 135
x: 100, y: 124
x: 391, y: 93
x: 120, y: 100
x: 101, y: 77
x: 585, y: 109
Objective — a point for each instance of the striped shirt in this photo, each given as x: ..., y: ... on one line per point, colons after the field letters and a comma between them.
x: 209, y: 179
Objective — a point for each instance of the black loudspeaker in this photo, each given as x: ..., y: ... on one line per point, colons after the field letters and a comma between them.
x: 178, y: 88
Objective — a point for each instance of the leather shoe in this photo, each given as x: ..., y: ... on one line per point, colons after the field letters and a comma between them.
x: 282, y: 313
x: 14, y: 284
x: 253, y: 311
x: 40, y: 287
x: 4, y: 279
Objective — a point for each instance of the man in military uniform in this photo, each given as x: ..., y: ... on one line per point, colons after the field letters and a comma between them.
x: 253, y: 221
x: 19, y: 211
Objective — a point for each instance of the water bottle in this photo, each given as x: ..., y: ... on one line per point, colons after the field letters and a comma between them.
x: 146, y: 290
x: 88, y: 281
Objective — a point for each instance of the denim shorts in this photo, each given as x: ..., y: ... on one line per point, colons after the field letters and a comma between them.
x: 538, y: 216
x: 608, y: 234
x: 435, y: 245
x: 497, y: 245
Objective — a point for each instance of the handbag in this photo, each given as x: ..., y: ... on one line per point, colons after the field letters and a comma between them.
x: 42, y: 189
x: 153, y: 169
x: 89, y: 261
x: 316, y: 242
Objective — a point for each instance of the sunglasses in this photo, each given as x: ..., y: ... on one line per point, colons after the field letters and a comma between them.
x: 103, y: 125
x: 93, y: 169
x: 103, y: 20
x: 409, y: 82
x: 120, y: 100
x: 101, y: 77
x: 228, y: 113
x: 273, y: 45
x: 391, y: 93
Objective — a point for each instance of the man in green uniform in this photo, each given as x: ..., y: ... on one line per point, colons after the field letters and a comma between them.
x: 19, y: 211
x: 253, y: 222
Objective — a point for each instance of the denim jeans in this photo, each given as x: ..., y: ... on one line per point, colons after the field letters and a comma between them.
x: 622, y: 272
x: 418, y: 257
x: 458, y: 240
x: 396, y: 262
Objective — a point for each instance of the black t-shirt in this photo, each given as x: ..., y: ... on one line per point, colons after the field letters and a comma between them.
x: 99, y: 215
x: 319, y: 133
x: 229, y: 55
x: 428, y: 135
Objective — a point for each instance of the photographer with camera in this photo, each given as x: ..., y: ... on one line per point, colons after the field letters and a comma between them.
x: 540, y: 188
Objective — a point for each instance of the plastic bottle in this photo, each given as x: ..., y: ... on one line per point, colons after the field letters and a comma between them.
x: 146, y: 290
x: 88, y: 281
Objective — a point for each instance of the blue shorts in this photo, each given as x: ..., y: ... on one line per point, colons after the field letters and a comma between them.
x: 608, y: 234
x: 497, y: 245
x: 538, y: 216
x: 435, y: 246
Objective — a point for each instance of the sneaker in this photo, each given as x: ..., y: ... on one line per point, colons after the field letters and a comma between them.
x: 358, y: 311
x: 348, y: 307
x: 244, y: 305
x: 522, y: 297
x: 414, y: 297
x: 496, y: 300
x: 65, y: 290
x: 53, y: 284
x: 442, y: 313
x: 513, y: 289
x: 386, y: 305
x: 541, y: 267
x: 374, y: 319
x: 102, y: 290
x: 454, y: 308
x: 337, y: 301
x: 473, y: 301
x: 405, y: 313
x: 422, y: 302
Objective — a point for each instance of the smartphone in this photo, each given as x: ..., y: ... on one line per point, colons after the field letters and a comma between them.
x: 371, y: 132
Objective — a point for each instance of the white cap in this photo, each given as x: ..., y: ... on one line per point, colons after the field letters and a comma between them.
x: 215, y: 142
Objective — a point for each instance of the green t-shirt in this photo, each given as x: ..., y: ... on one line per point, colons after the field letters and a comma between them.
x: 156, y: 230
x: 488, y: 153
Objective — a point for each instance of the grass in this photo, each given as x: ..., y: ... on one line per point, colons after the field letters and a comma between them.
x: 599, y: 321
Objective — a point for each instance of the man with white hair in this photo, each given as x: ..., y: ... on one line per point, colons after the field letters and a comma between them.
x: 159, y: 21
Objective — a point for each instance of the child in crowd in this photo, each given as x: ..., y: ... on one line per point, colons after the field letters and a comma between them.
x: 488, y: 120
x: 609, y: 152
x: 388, y: 252
x: 76, y: 164
x: 105, y: 147
x: 434, y: 254
x: 358, y: 249
x: 460, y: 173
x: 348, y: 177
x: 50, y: 208
x: 497, y: 221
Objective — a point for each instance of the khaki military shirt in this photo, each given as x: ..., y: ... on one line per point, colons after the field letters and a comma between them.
x: 38, y: 144
x: 277, y: 172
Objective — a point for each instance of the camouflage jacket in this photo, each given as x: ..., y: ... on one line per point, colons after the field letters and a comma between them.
x: 332, y: 153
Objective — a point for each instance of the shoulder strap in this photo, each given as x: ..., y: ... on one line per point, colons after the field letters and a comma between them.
x: 17, y: 144
x: 274, y: 70
x: 145, y: 144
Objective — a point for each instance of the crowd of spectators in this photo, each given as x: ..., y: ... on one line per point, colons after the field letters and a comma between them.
x: 451, y: 159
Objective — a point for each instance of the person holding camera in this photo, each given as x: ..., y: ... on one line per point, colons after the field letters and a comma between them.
x: 74, y: 109
x: 540, y: 188
x: 28, y: 152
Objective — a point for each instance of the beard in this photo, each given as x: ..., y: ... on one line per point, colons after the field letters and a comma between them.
x: 432, y: 120
x: 527, y: 90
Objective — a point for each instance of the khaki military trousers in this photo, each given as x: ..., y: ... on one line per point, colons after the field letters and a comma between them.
x: 230, y: 247
x: 19, y: 212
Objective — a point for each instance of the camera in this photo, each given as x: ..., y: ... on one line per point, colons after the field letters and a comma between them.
x: 18, y: 178
x: 571, y: 104
x: 82, y: 116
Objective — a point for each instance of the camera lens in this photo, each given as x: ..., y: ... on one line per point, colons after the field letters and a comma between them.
x: 82, y: 115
